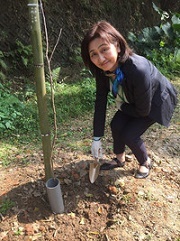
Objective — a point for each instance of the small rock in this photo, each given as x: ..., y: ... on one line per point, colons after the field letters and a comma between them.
x: 141, y: 193
x: 42, y: 229
x: 120, y: 183
x: 67, y: 181
x: 113, y: 189
x: 29, y: 230
x: 126, y: 191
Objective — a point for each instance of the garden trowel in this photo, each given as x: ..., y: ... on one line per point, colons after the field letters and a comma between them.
x: 94, y: 170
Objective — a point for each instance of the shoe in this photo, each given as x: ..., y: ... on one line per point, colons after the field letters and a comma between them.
x: 110, y: 166
x: 141, y: 175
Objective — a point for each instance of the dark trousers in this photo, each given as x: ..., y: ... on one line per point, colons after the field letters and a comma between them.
x: 127, y: 130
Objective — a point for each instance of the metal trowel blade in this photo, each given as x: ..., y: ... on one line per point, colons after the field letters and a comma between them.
x: 94, y: 170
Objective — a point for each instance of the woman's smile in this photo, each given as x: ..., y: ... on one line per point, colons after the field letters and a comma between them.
x: 104, y: 63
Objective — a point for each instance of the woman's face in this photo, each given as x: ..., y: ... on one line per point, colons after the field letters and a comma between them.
x: 104, y: 54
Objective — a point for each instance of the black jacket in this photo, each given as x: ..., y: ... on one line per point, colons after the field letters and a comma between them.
x: 148, y: 93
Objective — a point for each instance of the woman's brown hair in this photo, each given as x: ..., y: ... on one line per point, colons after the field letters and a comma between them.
x: 105, y: 30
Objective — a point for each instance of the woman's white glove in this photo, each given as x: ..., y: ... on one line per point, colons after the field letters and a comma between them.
x: 96, y: 148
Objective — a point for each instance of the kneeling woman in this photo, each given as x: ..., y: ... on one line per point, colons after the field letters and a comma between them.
x: 143, y: 95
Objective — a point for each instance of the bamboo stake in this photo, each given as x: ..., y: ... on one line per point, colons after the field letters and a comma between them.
x: 36, y: 39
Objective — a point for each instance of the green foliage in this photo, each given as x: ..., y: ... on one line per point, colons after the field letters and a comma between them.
x: 16, y: 115
x: 22, y: 55
x: 160, y: 44
x: 75, y: 56
x: 74, y: 99
x: 55, y: 78
x: 19, y: 58
x: 5, y: 152
x: 6, y: 205
x: 10, y: 109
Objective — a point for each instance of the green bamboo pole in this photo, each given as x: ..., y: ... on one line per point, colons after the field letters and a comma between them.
x: 36, y: 40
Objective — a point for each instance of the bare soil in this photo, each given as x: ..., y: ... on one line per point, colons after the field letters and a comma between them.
x: 117, y: 207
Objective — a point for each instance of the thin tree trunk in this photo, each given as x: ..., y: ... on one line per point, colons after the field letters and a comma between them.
x: 36, y: 39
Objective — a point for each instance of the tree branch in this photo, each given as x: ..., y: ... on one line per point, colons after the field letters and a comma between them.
x: 49, y: 58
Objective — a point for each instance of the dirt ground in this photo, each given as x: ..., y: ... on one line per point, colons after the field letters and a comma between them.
x: 117, y: 207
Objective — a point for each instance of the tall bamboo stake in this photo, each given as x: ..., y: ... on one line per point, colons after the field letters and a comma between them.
x: 36, y: 39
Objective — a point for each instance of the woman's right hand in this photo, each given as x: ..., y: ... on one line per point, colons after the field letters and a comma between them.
x: 96, y: 149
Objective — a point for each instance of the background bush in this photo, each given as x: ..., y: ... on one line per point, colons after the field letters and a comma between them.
x: 161, y: 44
